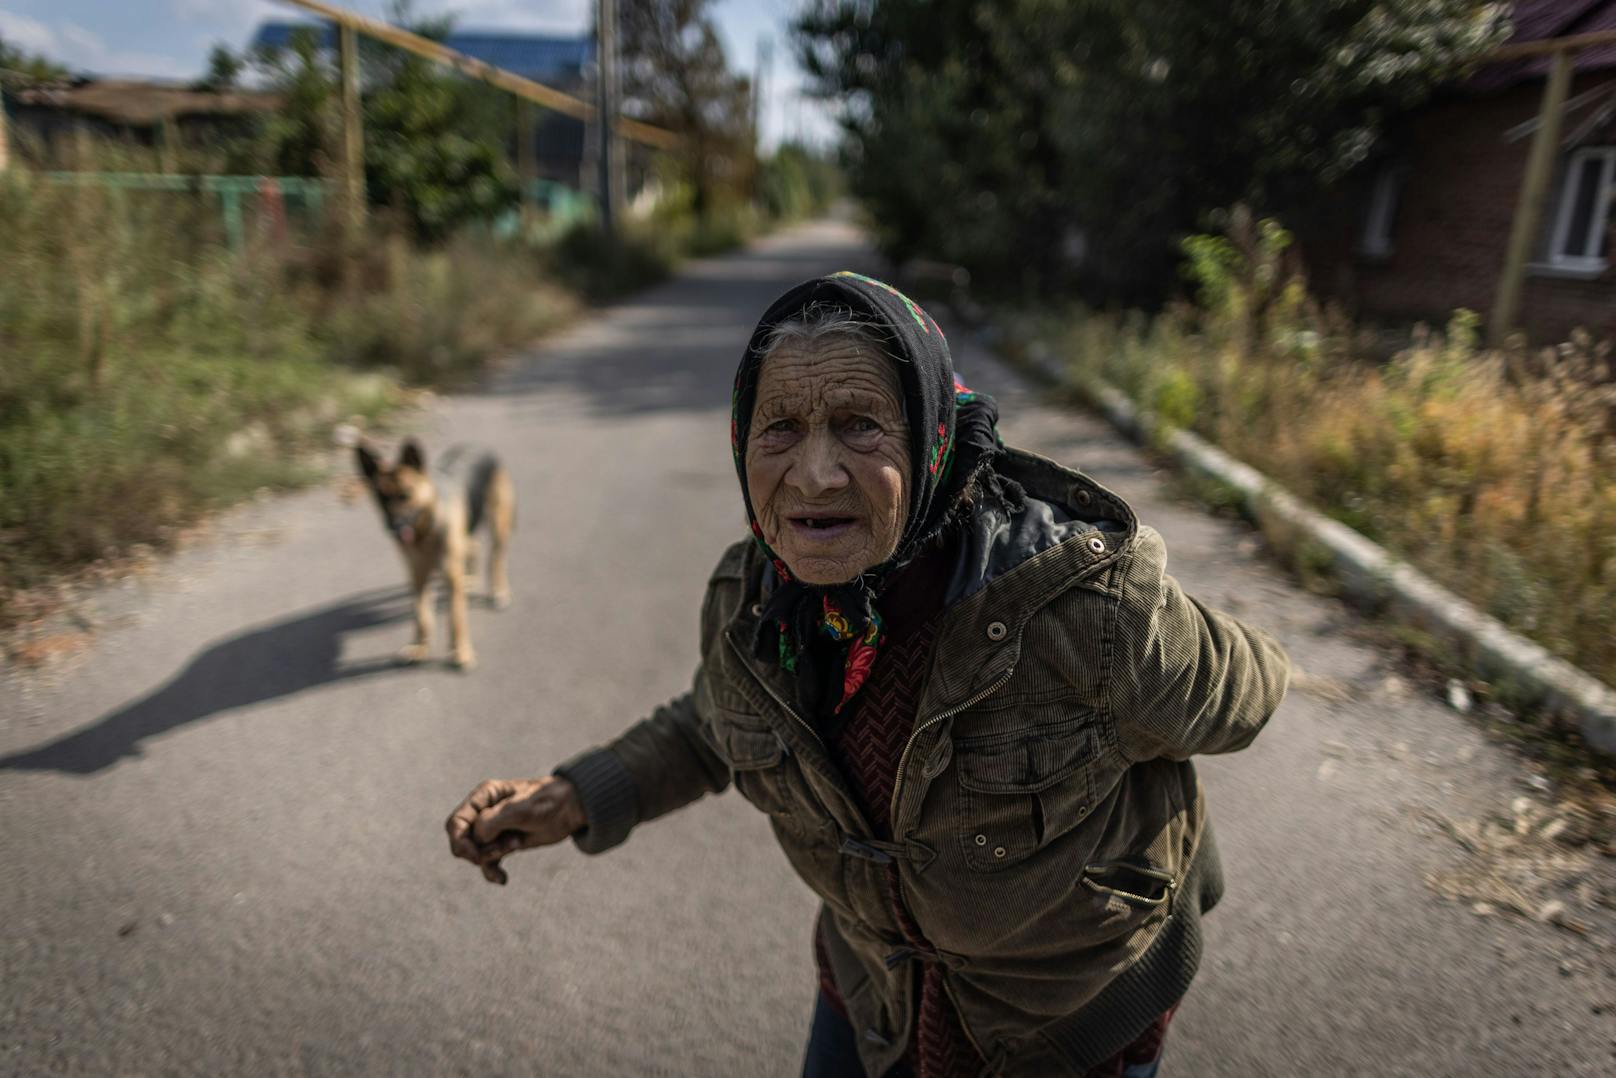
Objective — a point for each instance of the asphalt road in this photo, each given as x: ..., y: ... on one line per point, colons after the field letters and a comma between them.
x: 222, y: 847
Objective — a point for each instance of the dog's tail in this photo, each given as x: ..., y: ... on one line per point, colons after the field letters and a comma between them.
x: 482, y: 474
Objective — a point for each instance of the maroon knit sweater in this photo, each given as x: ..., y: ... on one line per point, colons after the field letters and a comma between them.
x: 867, y: 747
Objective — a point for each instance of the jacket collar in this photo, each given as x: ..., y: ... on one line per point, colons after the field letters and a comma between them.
x: 1009, y: 566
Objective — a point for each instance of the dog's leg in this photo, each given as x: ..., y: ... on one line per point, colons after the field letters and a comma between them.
x: 420, y: 577
x: 460, y: 655
x: 501, y: 522
x: 473, y: 555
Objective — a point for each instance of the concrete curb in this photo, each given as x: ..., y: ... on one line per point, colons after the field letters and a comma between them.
x: 1371, y: 575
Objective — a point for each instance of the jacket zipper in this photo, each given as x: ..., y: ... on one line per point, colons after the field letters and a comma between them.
x: 897, y: 787
x: 772, y: 694
x: 903, y: 757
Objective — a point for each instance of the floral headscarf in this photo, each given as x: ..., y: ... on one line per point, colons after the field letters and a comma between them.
x: 952, y: 438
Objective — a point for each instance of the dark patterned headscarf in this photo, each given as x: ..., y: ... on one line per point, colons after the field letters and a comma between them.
x: 953, y: 440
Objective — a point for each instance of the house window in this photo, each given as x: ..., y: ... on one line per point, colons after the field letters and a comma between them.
x: 1582, y: 231
x: 1376, y: 239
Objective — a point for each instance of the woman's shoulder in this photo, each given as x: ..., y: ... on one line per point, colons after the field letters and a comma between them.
x: 1072, y: 493
x: 736, y: 563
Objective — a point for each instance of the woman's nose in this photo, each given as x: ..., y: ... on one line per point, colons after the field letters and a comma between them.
x: 819, y: 470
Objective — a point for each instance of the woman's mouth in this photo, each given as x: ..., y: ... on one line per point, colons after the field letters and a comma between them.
x: 821, y: 528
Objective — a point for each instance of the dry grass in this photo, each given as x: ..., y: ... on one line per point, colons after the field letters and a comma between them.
x: 1493, y: 472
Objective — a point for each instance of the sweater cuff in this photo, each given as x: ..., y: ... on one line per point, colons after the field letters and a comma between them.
x: 606, y: 790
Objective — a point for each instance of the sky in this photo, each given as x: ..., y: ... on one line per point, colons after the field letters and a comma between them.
x: 171, y: 38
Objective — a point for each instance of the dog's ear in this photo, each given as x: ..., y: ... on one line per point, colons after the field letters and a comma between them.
x: 369, y: 466
x: 411, y: 456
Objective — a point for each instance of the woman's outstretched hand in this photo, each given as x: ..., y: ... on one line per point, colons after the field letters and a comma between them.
x: 502, y: 816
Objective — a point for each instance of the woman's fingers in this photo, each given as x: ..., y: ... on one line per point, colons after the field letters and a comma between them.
x: 510, y: 814
x: 502, y: 816
x: 492, y: 853
x: 462, y: 841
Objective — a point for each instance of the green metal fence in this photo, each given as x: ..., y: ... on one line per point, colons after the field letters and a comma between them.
x: 232, y: 191
x: 558, y: 205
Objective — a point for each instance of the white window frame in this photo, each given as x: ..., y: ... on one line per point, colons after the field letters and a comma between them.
x: 1600, y: 220
x: 1375, y: 240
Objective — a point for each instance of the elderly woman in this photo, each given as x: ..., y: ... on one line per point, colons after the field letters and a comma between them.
x: 961, y: 685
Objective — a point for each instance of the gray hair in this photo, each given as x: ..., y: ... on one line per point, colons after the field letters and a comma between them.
x: 821, y: 323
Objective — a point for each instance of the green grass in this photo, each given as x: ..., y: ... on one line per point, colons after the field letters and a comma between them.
x: 151, y: 375
x: 176, y: 433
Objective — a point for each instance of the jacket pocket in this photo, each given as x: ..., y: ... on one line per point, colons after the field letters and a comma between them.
x: 760, y: 767
x: 1123, y: 896
x: 1019, y: 791
x: 1139, y: 885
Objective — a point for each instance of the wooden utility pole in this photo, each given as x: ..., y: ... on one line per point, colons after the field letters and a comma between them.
x: 353, y: 135
x: 760, y: 81
x: 511, y: 83
x: 168, y: 145
x: 1575, y: 43
x: 527, y: 169
x: 1529, y: 210
x: 611, y: 150
x: 5, y: 155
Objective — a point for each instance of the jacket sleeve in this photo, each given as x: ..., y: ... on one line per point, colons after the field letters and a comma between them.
x: 659, y: 764
x: 1185, y: 679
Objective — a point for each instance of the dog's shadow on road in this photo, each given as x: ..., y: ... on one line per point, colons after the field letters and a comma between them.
x: 278, y: 659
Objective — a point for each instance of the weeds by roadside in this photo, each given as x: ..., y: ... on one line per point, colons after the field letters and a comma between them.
x: 1494, y: 472
x: 149, y: 373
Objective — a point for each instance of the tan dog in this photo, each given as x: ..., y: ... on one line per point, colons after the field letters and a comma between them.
x: 434, y: 519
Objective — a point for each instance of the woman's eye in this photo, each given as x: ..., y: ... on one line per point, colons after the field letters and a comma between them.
x: 863, y: 425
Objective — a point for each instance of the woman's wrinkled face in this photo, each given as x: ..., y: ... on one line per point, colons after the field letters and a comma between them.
x: 827, y: 458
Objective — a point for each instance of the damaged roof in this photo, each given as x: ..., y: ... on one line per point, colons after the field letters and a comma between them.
x: 141, y: 103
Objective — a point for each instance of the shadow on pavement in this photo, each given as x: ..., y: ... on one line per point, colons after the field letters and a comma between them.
x: 279, y: 659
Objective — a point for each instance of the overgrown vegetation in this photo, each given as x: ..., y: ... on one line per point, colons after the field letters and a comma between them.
x: 150, y: 373
x: 153, y: 370
x: 1494, y: 472
x: 1048, y: 145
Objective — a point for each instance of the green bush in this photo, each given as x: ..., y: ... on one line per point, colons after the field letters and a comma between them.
x: 434, y: 316
x: 796, y: 182
x: 601, y: 266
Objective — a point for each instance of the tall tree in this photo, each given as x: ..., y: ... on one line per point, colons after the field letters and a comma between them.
x: 300, y: 137
x: 224, y: 70
x: 1035, y: 141
x: 435, y: 143
x: 18, y: 64
x: 675, y: 75
x: 431, y: 148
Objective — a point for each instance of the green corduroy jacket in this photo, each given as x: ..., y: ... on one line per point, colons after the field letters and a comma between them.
x: 1050, y: 834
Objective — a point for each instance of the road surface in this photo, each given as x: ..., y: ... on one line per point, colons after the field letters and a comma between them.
x: 223, y: 853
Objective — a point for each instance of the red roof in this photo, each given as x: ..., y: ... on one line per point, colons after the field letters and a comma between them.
x: 1543, y: 20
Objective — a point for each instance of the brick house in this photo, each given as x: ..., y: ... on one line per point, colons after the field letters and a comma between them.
x: 1425, y: 229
